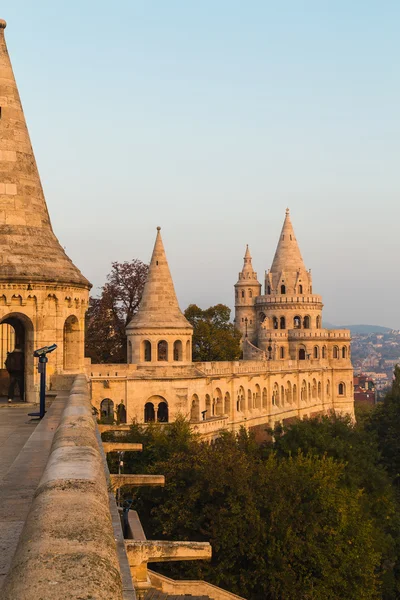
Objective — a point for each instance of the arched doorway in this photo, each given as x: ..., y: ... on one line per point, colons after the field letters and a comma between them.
x: 17, y: 331
x: 107, y: 410
x: 71, y: 344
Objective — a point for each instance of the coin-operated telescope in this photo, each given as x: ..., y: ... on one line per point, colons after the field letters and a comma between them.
x: 41, y: 354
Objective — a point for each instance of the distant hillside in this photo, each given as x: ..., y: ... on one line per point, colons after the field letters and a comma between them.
x: 359, y: 328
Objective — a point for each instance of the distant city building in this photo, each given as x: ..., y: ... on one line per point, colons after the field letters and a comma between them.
x: 364, y: 390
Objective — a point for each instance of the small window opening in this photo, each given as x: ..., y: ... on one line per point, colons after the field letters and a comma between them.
x: 156, y: 262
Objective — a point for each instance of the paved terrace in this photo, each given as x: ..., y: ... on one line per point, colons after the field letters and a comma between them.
x: 60, y: 529
x: 25, y: 445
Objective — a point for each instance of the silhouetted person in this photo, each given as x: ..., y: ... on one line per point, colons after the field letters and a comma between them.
x: 15, y: 366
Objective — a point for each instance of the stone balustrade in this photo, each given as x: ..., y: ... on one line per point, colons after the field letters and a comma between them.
x: 67, y: 548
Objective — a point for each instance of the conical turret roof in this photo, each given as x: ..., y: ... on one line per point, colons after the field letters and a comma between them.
x: 159, y: 306
x: 287, y: 256
x: 29, y: 250
x: 247, y: 273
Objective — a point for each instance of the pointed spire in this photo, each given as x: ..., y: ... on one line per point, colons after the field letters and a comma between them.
x: 287, y: 256
x: 159, y: 305
x: 29, y: 250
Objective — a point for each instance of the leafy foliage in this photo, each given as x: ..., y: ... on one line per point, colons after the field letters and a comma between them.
x: 214, y: 337
x: 109, y: 314
x: 283, y: 523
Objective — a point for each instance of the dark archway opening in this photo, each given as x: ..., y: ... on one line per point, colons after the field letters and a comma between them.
x: 121, y: 413
x: 302, y: 354
x: 107, y: 410
x: 16, y: 359
x: 149, y: 414
x: 162, y: 412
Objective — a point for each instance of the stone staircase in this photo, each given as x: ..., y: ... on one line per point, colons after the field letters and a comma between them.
x: 154, y: 594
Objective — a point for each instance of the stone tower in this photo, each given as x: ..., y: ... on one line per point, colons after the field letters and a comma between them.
x: 247, y: 289
x: 159, y: 333
x: 43, y: 295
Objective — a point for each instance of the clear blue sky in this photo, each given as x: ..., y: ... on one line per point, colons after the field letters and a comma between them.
x: 209, y: 118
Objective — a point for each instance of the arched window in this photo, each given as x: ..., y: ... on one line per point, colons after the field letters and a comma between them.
x: 188, y: 353
x: 147, y: 350
x: 207, y: 413
x: 300, y: 289
x: 314, y: 389
x: 283, y: 289
x: 242, y: 293
x: 335, y: 352
x: 318, y: 322
x: 344, y: 352
x: 71, y: 343
x: 282, y: 352
x: 250, y: 294
x: 297, y: 322
x: 328, y: 388
x: 264, y: 398
x: 262, y: 317
x: 227, y: 402
x: 306, y: 322
x: 269, y: 290
x: 162, y: 412
x: 240, y: 400
x: 302, y: 354
x: 178, y: 350
x: 275, y: 395
x: 162, y: 350
x: 258, y: 397
x: 107, y: 410
x: 121, y: 413
x: 323, y: 351
x: 195, y: 408
x: 319, y: 389
x: 294, y: 393
x: 289, y: 393
x: 316, y: 352
x: 249, y: 400
x: 283, y: 322
x: 129, y: 352
x: 149, y: 414
x: 342, y: 389
x: 275, y: 322
x: 218, y: 403
x: 303, y: 392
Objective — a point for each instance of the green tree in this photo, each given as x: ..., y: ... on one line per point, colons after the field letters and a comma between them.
x: 384, y: 423
x: 354, y: 446
x: 109, y: 314
x: 214, y: 337
x: 281, y: 527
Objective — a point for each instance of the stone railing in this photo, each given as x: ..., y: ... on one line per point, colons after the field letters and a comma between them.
x: 189, y: 588
x: 67, y: 548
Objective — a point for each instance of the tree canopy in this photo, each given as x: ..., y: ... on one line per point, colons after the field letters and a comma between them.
x: 109, y: 314
x: 312, y: 515
x: 214, y: 337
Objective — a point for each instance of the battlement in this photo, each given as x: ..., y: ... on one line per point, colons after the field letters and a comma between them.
x: 285, y: 299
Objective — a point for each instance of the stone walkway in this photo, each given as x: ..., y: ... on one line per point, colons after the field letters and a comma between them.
x: 24, y: 449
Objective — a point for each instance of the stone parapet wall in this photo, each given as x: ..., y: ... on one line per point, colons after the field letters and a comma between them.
x: 189, y: 588
x: 67, y: 548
